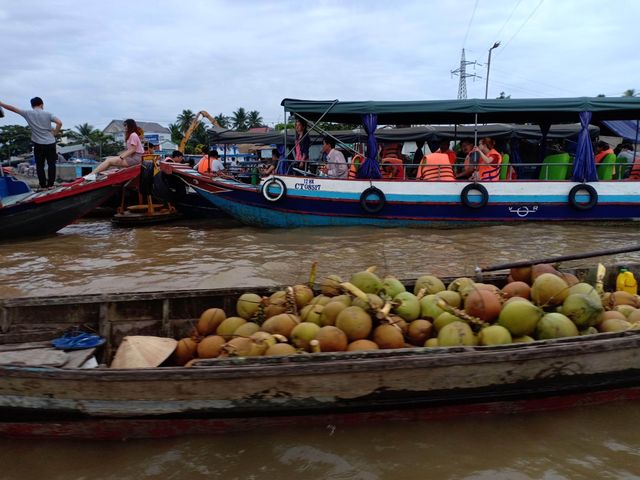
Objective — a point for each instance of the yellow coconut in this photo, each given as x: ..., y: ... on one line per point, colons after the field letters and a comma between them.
x: 276, y: 304
x: 280, y: 349
x: 354, y: 322
x: 302, y: 294
x: 281, y: 324
x: 362, y: 345
x: 229, y: 326
x: 209, y: 321
x: 330, y: 312
x: 549, y: 289
x: 332, y: 339
x: 186, y: 350
x: 246, y: 329
x: 388, y: 336
x: 330, y: 285
x: 247, y: 305
x: 211, y: 346
x: 456, y: 334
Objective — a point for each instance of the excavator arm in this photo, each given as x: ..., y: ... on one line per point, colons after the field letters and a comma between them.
x: 192, y: 127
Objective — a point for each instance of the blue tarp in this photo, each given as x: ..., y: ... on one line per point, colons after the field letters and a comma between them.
x: 627, y: 129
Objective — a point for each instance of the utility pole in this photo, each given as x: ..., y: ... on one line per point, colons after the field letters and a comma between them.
x: 462, y: 72
x: 486, y: 88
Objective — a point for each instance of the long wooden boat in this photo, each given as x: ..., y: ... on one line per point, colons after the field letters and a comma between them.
x: 582, y: 193
x: 24, y: 212
x: 220, y: 395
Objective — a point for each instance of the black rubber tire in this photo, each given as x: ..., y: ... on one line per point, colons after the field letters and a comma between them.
x: 265, y: 190
x: 464, y: 195
x: 593, y: 197
x: 380, y: 202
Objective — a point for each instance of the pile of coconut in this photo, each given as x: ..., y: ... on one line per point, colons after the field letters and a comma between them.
x: 370, y: 313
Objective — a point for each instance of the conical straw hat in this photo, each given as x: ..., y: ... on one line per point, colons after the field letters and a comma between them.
x: 139, y: 351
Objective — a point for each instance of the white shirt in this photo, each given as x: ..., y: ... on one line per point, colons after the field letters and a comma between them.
x: 217, y: 165
x: 336, y: 164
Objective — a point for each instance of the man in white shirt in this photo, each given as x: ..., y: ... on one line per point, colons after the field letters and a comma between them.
x: 336, y: 163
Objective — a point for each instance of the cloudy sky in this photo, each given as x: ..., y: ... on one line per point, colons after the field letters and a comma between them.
x: 150, y: 59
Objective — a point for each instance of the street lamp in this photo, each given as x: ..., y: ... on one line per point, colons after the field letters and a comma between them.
x: 486, y: 88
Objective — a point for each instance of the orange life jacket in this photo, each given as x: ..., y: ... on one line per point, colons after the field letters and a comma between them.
x: 391, y: 150
x: 635, y: 170
x: 394, y: 169
x: 599, y: 156
x: 451, y: 154
x: 356, y: 161
x: 435, y: 167
x: 490, y: 172
x: 204, y: 166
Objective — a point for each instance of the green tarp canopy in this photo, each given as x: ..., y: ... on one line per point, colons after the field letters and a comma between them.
x: 430, y: 112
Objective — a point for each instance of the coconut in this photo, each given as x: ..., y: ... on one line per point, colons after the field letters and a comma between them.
x: 419, y: 331
x: 430, y: 283
x: 523, y: 339
x: 399, y: 322
x: 281, y: 324
x: 330, y: 285
x: 388, y: 336
x: 517, y: 289
x: 460, y: 284
x: 549, y: 290
x: 453, y: 299
x: 321, y: 300
x: 555, y: 325
x: 246, y: 329
x: 634, y: 317
x: 623, y: 298
x: 303, y: 333
x: 585, y: 289
x: 626, y: 310
x: 521, y: 274
x: 186, y: 350
x: 332, y: 339
x: 570, y: 278
x: 209, y: 321
x: 408, y: 306
x: 445, y: 318
x: 311, y: 313
x: 247, y: 305
x: 514, y: 299
x: 373, y: 302
x: 229, y: 326
x: 344, y: 299
x: 362, y: 345
x: 280, y: 349
x: 276, y: 304
x: 494, y: 335
x: 429, y: 308
x: 541, y: 269
x: 582, y: 310
x: 330, y: 312
x: 354, y: 322
x: 610, y: 314
x: 302, y: 294
x: 366, y: 281
x: 391, y: 287
x: 456, y: 334
x: 614, y: 325
x: 432, y: 343
x: 262, y: 341
x: 589, y: 331
x: 520, y: 318
x: 483, y: 304
x: 237, y: 347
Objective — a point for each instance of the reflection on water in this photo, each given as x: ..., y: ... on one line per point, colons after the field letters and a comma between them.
x: 91, y: 256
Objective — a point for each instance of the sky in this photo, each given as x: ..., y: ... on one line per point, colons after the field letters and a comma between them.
x: 92, y: 62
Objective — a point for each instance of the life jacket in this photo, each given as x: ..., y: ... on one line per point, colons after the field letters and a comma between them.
x: 450, y: 154
x: 356, y: 161
x: 396, y: 170
x: 635, y: 170
x: 435, y: 167
x: 490, y: 172
x: 391, y: 150
x: 204, y: 166
x: 598, y: 158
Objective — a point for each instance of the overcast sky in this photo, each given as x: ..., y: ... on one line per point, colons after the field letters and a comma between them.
x: 150, y: 59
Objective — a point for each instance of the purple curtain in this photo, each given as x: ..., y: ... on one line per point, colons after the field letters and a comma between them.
x: 584, y: 167
x: 515, y: 159
x: 370, y: 167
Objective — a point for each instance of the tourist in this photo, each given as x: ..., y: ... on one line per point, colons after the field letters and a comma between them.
x: 625, y: 159
x: 489, y: 162
x: 43, y: 138
x: 211, y: 163
x: 176, y: 157
x: 270, y: 168
x: 303, y: 142
x: 445, y: 147
x: 436, y: 167
x: 602, y: 150
x: 470, y: 161
x: 336, y: 163
x: 129, y: 157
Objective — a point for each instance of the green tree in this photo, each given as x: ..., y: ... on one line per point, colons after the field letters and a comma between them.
x: 222, y: 120
x: 239, y: 120
x: 254, y: 119
x: 14, y: 140
x: 176, y: 133
x: 631, y: 93
x: 185, y: 119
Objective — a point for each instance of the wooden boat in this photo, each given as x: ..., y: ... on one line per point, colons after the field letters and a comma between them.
x: 24, y: 212
x: 581, y: 192
x: 221, y: 395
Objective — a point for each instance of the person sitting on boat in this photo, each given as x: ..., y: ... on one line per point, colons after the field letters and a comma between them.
x: 336, y: 163
x: 602, y: 150
x: 176, y: 157
x: 392, y: 168
x: 445, y: 147
x: 625, y: 158
x: 131, y: 156
x: 436, y: 167
x: 302, y: 145
x: 211, y: 163
x: 270, y: 168
x: 489, y: 162
x: 470, y: 161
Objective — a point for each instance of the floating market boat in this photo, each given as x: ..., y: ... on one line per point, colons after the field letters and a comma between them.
x: 236, y: 393
x: 571, y: 189
x: 24, y: 212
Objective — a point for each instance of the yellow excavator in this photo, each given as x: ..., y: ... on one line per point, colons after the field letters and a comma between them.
x: 193, y: 126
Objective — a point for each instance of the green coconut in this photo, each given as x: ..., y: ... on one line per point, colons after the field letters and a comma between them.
x: 320, y: 300
x: 229, y: 326
x: 429, y: 308
x: 460, y: 284
x: 523, y: 339
x: 582, y: 309
x: 330, y: 313
x: 520, y: 317
x: 355, y: 322
x: 456, y: 334
x: 276, y: 304
x: 494, y: 335
x: 391, y: 287
x: 366, y: 281
x: 585, y: 289
x: 303, y: 333
x: 281, y: 324
x: 373, y: 302
x: 555, y: 325
x: 445, y: 318
x: 246, y: 329
x: 247, y: 305
x: 549, y: 290
x: 432, y: 343
x: 453, y: 299
x: 407, y: 306
x: 302, y: 294
x: 311, y: 313
x: 430, y: 283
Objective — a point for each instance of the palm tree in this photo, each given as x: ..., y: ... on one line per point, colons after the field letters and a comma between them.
x: 239, y: 119
x: 254, y: 119
x: 631, y: 93
x: 222, y: 120
x: 185, y: 119
x: 176, y: 134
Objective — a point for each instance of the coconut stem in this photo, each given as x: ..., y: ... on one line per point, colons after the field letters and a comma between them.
x: 292, y: 307
x: 351, y: 288
x: 421, y: 293
x: 384, y: 311
x: 280, y: 338
x: 315, y: 346
x: 372, y: 269
x: 312, y: 275
x: 473, y: 321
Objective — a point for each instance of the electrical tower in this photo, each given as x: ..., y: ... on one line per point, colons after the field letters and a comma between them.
x: 462, y: 73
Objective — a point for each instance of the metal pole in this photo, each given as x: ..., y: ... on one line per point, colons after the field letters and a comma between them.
x: 486, y: 88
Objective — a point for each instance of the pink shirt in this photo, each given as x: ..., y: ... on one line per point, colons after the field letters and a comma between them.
x: 134, y: 141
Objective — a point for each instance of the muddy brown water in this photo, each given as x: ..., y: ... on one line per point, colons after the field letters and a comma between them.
x: 92, y: 256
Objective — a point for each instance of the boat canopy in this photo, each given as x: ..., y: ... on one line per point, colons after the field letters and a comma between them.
x: 429, y: 112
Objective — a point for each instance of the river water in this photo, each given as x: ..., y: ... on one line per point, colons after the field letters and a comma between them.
x: 92, y: 256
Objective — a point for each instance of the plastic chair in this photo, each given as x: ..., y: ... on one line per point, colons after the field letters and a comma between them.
x: 555, y: 167
x: 607, y: 167
x: 504, y: 166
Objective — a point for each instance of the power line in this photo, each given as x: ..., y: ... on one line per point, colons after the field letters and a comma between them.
x: 507, y: 21
x: 522, y: 26
x: 464, y: 42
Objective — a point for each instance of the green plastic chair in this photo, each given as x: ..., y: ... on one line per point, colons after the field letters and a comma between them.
x: 555, y: 167
x: 504, y: 166
x: 607, y: 166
